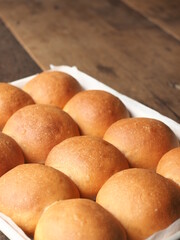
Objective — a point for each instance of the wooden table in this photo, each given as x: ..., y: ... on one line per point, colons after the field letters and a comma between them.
x: 130, y: 45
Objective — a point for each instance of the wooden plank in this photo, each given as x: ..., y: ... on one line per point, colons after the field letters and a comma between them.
x: 3, y: 237
x: 164, y: 13
x: 15, y: 63
x: 106, y: 39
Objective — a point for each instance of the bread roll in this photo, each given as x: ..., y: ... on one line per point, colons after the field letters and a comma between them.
x: 95, y: 110
x: 142, y: 200
x: 54, y: 88
x: 38, y: 128
x: 10, y: 154
x: 29, y: 188
x: 142, y: 140
x: 78, y: 219
x: 169, y: 165
x: 88, y: 161
x: 11, y: 99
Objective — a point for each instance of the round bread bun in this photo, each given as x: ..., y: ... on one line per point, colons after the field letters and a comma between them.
x: 143, y: 201
x: 55, y: 88
x: 169, y: 165
x: 95, y: 110
x: 26, y: 190
x: 38, y: 128
x: 89, y: 161
x: 10, y: 154
x: 11, y: 99
x: 78, y: 219
x: 142, y: 140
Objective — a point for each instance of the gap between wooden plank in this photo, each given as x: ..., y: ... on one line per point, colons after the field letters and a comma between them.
x: 155, y: 20
x: 20, y: 40
x: 15, y: 62
x: 115, y: 44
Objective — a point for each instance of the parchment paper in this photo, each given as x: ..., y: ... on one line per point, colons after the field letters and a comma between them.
x: 13, y: 232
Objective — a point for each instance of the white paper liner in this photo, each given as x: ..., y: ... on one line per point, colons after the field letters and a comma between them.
x: 10, y: 229
x: 135, y: 108
x: 13, y: 232
x: 170, y: 233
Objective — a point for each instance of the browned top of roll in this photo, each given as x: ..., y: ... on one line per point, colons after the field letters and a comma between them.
x: 78, y: 219
x: 29, y: 188
x: 88, y: 161
x: 38, y: 128
x: 142, y: 140
x: 142, y: 200
x: 54, y: 88
x: 11, y: 99
x: 10, y: 154
x: 95, y: 111
x: 169, y: 165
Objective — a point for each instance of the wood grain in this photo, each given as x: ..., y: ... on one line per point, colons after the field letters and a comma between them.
x: 106, y: 39
x: 15, y: 63
x: 131, y: 45
x: 164, y: 13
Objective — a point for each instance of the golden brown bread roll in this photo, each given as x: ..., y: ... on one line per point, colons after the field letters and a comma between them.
x: 11, y: 99
x: 38, y: 128
x: 29, y: 188
x: 169, y: 165
x: 95, y: 110
x: 78, y: 219
x: 54, y: 88
x: 10, y: 154
x: 142, y: 200
x: 88, y: 161
x: 142, y: 140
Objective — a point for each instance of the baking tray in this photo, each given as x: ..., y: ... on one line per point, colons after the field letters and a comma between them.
x: 136, y: 109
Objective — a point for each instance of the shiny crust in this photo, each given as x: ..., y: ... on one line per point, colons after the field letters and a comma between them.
x: 142, y: 140
x: 55, y: 88
x: 142, y: 200
x: 38, y: 128
x: 78, y: 219
x: 169, y: 165
x: 11, y: 99
x: 88, y: 161
x: 11, y: 154
x: 95, y: 110
x: 31, y: 188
